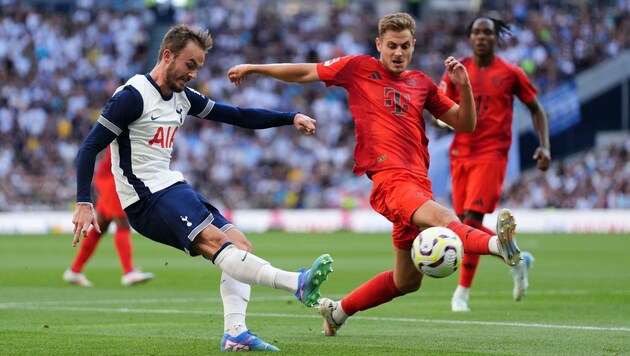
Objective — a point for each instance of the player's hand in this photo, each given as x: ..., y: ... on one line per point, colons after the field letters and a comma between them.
x: 304, y: 124
x: 237, y: 73
x: 456, y: 72
x: 542, y: 157
x: 84, y: 216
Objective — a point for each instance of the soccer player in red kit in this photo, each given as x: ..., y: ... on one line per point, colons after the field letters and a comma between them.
x: 479, y: 159
x: 387, y: 102
x: 108, y: 209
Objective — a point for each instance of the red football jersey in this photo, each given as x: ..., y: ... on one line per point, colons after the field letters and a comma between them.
x: 104, y: 168
x: 494, y: 89
x: 387, y: 112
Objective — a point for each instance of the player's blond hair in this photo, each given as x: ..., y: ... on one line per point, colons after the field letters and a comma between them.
x: 398, y: 22
x: 178, y: 37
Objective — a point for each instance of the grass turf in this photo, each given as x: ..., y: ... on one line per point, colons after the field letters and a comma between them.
x: 578, y: 302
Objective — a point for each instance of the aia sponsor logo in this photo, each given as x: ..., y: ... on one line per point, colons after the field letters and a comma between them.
x: 164, y: 137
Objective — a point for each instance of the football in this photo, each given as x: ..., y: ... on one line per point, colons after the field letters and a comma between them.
x: 437, y: 252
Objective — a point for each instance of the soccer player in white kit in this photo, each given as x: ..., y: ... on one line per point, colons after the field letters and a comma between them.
x: 140, y: 122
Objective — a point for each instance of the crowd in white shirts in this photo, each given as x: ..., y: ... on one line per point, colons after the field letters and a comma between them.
x: 58, y: 69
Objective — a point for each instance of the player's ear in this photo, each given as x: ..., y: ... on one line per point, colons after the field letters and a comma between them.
x: 377, y: 41
x: 167, y: 55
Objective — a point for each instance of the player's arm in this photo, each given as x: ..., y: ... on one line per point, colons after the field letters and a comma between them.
x: 124, y: 107
x: 97, y: 140
x: 288, y: 72
x: 462, y: 117
x: 542, y: 155
x: 254, y: 118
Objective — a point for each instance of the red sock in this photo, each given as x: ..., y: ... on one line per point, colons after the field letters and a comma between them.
x: 475, y: 241
x: 479, y: 226
x: 122, y: 240
x: 86, y: 250
x: 471, y: 261
x: 378, y: 290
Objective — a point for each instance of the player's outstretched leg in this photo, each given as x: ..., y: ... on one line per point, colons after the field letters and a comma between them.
x: 310, y: 280
x: 506, y: 231
x: 326, y: 308
x: 246, y: 341
x: 519, y: 274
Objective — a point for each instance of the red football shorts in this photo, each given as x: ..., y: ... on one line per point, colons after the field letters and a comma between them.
x: 477, y: 185
x: 108, y: 203
x: 396, y: 195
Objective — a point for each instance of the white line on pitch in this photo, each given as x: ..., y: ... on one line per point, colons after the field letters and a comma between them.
x: 7, y: 304
x: 278, y: 315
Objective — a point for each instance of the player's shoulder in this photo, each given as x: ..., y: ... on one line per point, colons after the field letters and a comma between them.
x: 133, y: 86
x: 502, y: 63
x: 192, y: 92
x: 357, y: 60
x: 467, y: 60
x: 138, y: 81
x: 418, y: 76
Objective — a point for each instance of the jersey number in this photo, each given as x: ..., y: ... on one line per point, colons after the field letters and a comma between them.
x: 482, y: 103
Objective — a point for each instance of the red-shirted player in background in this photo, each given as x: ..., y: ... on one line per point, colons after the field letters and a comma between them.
x: 479, y: 160
x: 108, y: 209
x: 387, y: 102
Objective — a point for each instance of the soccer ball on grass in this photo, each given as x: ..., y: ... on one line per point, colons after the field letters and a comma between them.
x: 437, y: 252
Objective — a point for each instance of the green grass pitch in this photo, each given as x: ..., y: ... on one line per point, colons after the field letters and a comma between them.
x: 578, y: 302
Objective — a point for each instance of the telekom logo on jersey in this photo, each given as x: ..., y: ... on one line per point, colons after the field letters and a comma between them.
x: 163, y: 137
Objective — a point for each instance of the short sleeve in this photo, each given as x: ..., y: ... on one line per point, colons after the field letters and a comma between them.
x: 437, y: 103
x: 336, y: 71
x: 124, y: 107
x: 523, y: 87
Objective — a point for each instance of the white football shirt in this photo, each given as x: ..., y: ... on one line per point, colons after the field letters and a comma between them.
x: 146, y: 124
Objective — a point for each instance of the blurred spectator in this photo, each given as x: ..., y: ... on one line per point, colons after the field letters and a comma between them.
x: 595, y: 179
x: 59, y: 68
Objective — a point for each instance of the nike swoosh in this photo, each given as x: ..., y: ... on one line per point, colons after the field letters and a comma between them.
x: 154, y: 117
x: 244, y: 257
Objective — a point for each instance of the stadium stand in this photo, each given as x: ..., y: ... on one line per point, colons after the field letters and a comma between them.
x: 59, y: 67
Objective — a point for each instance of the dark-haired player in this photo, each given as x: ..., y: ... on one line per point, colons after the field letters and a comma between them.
x: 387, y: 103
x: 141, y: 121
x: 479, y: 159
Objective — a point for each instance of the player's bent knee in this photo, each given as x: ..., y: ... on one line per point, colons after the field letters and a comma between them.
x: 209, y: 241
x: 409, y: 284
x: 446, y: 218
x: 239, y: 240
x: 409, y: 287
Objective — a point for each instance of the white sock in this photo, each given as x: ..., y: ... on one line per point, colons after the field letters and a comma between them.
x: 339, y: 315
x: 493, y: 245
x: 235, y: 296
x: 461, y: 292
x: 251, y: 269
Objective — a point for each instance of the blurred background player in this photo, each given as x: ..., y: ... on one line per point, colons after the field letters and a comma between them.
x: 108, y: 209
x: 479, y: 160
x: 387, y: 102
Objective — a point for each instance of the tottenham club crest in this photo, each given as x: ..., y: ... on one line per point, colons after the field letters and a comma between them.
x: 180, y: 110
x: 185, y: 219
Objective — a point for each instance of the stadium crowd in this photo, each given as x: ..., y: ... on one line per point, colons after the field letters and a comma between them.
x: 59, y: 68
